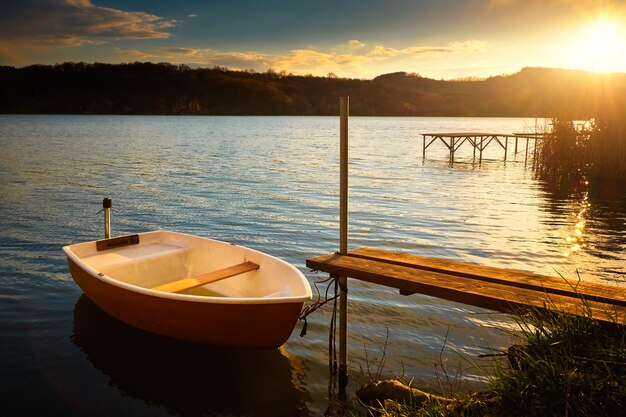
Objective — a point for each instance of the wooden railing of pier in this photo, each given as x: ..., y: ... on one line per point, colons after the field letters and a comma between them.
x: 479, y: 141
x: 497, y: 289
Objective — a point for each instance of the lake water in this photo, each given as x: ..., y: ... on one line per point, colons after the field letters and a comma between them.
x: 270, y: 183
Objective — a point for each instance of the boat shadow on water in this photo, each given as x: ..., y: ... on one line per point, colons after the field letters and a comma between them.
x: 190, y: 378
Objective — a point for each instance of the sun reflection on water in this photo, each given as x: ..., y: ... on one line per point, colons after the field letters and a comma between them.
x: 576, y: 234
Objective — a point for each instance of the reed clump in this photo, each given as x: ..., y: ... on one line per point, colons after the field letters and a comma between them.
x: 594, y: 149
x: 563, y: 365
x: 606, y: 150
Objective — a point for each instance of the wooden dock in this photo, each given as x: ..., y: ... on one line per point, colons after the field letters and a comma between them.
x: 496, y: 289
x: 479, y: 141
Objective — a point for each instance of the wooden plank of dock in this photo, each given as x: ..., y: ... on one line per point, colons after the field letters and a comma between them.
x: 492, y: 288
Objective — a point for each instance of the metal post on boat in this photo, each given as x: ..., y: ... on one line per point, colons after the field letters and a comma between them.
x: 106, y: 206
x: 344, y: 110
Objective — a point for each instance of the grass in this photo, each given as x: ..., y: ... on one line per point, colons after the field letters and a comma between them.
x: 563, y: 365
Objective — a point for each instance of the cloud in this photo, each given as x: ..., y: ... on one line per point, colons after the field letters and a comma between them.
x: 76, y: 22
x: 355, y: 43
x: 380, y: 51
x: 303, y: 61
x: 182, y: 51
x: 200, y: 57
x: 192, y: 15
x: 212, y: 56
x: 472, y: 45
x: 135, y: 54
x: 302, y: 58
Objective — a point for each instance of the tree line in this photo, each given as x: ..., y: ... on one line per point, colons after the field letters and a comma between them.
x: 148, y: 88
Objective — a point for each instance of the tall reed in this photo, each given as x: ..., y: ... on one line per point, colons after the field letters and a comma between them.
x: 606, y: 151
x: 595, y: 149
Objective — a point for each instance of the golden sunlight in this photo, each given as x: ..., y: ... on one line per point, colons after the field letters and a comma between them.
x: 602, y: 49
x: 576, y: 236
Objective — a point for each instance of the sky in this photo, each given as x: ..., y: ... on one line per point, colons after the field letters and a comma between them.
x: 442, y: 39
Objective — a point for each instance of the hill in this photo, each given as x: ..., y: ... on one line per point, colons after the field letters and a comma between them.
x: 146, y: 88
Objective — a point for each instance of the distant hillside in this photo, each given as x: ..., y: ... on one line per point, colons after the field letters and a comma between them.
x: 145, y: 88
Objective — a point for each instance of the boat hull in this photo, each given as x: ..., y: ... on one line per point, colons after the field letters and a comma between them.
x: 255, y: 307
x: 241, y: 325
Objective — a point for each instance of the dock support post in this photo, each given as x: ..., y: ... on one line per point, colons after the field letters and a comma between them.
x: 344, y: 106
x: 452, y: 145
x: 480, y: 159
x: 106, y: 206
x: 506, y: 147
x: 474, y: 143
x: 526, y: 154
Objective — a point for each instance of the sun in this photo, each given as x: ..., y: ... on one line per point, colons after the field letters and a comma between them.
x: 602, y: 49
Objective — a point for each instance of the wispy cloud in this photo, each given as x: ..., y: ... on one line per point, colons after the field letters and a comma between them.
x: 76, y: 22
x: 355, y: 43
x: 183, y: 51
x: 349, y: 57
x: 135, y: 55
x: 213, y: 57
x: 380, y: 51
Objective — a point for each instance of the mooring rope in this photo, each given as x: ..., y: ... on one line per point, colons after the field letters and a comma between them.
x: 332, y: 345
x: 306, y: 311
x: 317, y: 304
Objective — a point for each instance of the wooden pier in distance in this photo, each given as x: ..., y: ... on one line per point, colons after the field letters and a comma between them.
x: 479, y: 141
x: 496, y: 289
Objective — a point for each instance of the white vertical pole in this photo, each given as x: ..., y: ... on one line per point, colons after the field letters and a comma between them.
x: 344, y: 110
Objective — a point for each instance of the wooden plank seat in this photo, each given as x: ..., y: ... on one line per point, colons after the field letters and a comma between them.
x: 493, y: 288
x: 203, y: 279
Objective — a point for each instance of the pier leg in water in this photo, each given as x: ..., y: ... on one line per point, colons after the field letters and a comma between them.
x: 452, y: 144
x: 474, y: 145
x: 480, y: 158
x: 526, y: 155
x: 506, y: 147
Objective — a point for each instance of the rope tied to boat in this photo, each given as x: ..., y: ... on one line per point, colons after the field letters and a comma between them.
x: 309, y: 309
x: 332, y: 282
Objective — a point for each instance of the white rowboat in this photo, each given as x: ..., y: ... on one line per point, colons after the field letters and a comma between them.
x: 192, y: 288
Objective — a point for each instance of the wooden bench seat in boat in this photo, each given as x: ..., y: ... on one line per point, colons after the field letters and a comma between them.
x: 203, y: 279
x: 493, y: 288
